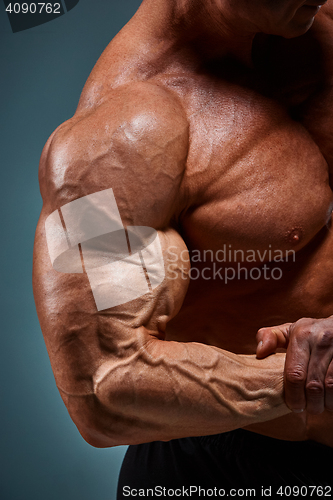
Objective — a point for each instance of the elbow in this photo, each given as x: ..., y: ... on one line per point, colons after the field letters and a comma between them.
x: 98, y: 427
x: 111, y: 415
x: 102, y: 428
x: 95, y: 438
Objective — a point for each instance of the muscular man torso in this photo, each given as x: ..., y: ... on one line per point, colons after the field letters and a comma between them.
x: 256, y: 179
x: 256, y: 185
x: 257, y: 176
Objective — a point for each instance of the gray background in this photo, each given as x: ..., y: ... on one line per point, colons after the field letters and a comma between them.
x: 42, y: 73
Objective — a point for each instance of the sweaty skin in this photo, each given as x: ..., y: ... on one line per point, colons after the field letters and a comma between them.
x: 217, y: 133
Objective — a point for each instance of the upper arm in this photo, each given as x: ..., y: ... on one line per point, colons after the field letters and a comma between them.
x: 135, y: 144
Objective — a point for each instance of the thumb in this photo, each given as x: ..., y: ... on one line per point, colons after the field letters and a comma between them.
x: 271, y: 338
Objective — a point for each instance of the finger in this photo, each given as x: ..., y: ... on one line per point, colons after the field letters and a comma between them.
x: 295, y: 373
x: 271, y: 338
x: 329, y: 388
x: 317, y: 375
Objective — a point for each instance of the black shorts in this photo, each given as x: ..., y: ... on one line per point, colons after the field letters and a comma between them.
x: 237, y: 459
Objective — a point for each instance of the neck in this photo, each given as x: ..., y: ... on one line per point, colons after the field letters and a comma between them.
x: 210, y: 31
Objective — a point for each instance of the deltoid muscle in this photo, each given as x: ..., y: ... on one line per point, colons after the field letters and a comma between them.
x: 119, y: 268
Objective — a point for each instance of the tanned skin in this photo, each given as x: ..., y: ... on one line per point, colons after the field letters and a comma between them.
x: 212, y: 123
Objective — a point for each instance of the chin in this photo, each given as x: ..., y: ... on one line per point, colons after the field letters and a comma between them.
x: 297, y: 29
x: 302, y: 21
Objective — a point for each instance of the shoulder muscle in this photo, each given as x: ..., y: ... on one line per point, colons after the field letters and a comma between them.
x: 135, y: 142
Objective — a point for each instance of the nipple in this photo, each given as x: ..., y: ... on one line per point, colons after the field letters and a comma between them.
x: 294, y: 236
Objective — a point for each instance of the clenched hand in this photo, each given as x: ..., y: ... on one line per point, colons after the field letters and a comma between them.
x: 308, y: 374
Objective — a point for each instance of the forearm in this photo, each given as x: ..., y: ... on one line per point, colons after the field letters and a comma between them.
x: 171, y: 390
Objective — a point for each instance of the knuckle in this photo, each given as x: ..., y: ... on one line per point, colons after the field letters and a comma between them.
x: 326, y: 339
x: 301, y: 333
x: 296, y: 377
x: 302, y: 328
x: 329, y: 384
x: 314, y: 388
x: 303, y: 323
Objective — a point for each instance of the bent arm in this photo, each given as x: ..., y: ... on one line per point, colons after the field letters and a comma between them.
x: 121, y: 381
x: 123, y: 384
